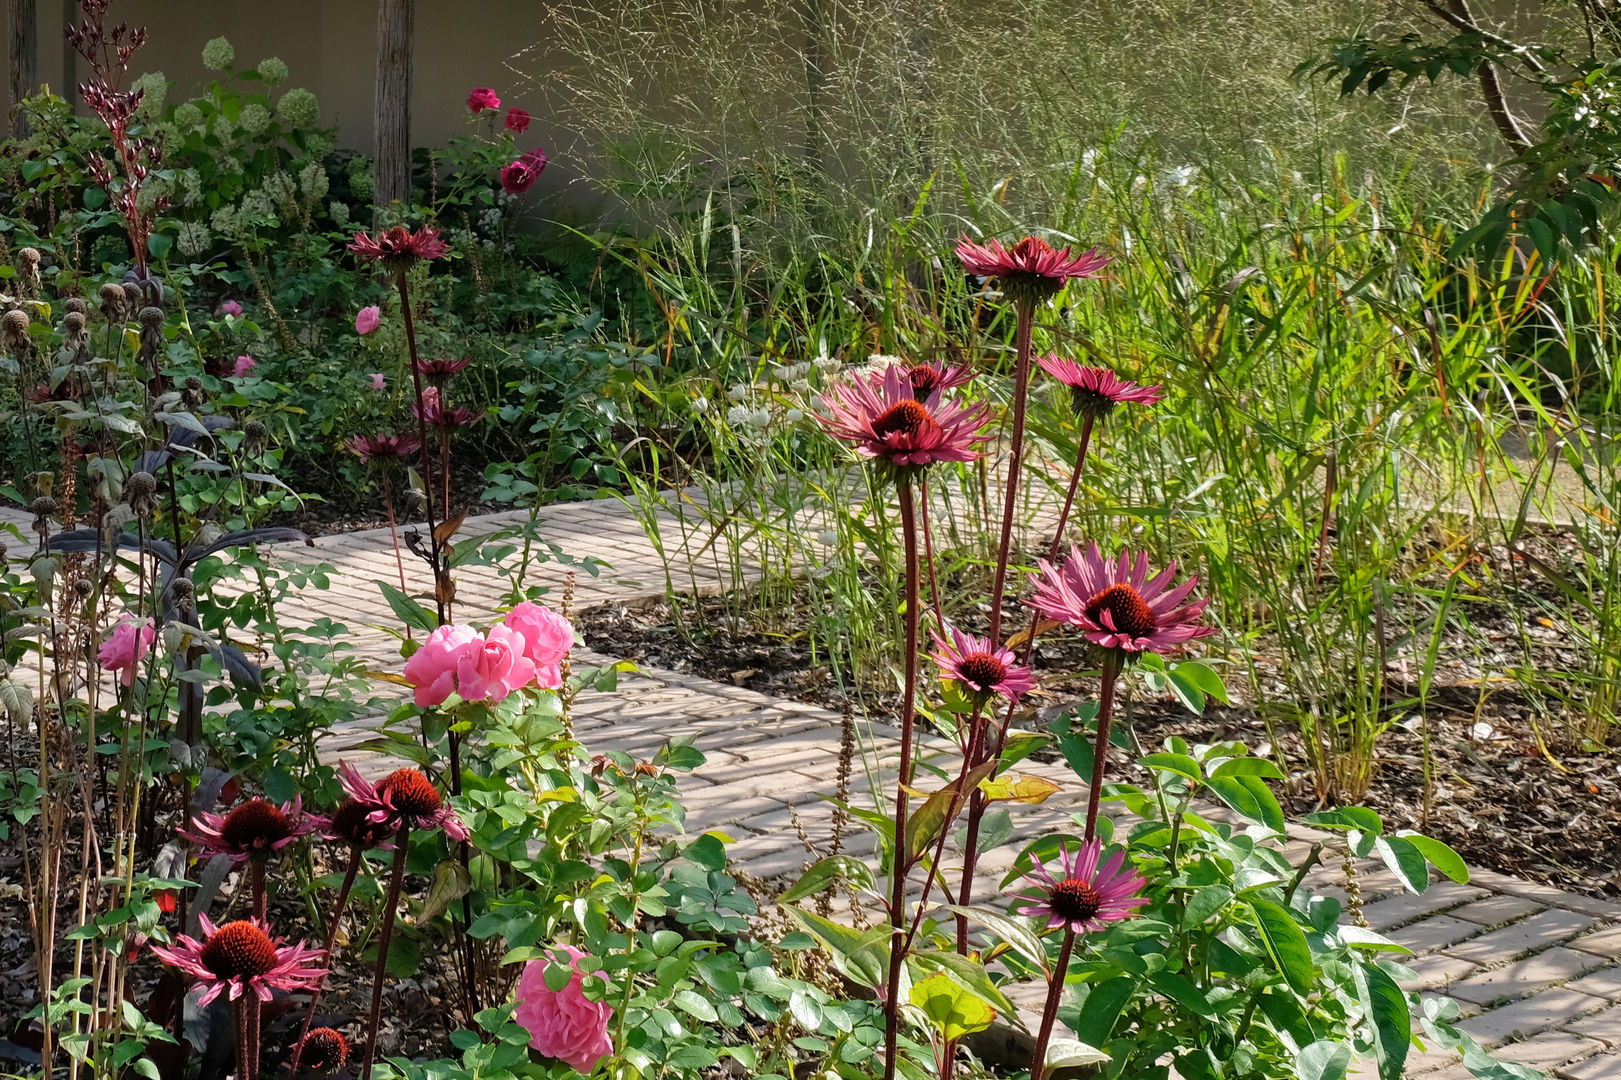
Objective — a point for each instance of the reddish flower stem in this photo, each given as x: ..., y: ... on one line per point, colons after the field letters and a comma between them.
x: 928, y: 553
x: 1100, y: 749
x: 1010, y: 495
x: 256, y: 872
x: 402, y: 842
x: 427, y: 452
x: 900, y: 865
x: 355, y: 853
x: 1049, y: 1012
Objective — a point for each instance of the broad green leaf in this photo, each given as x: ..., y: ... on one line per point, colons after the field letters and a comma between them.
x: 1348, y: 817
x: 971, y: 973
x: 952, y: 1009
x: 1385, y: 1007
x: 863, y: 957
x: 1285, y: 943
x: 410, y: 612
x: 695, y: 1005
x: 1442, y: 857
x: 1008, y: 928
x: 1183, y: 992
x: 1405, y: 861
x: 1323, y: 1060
x: 826, y: 872
x: 1181, y: 764
x: 1248, y: 766
x: 1250, y: 796
x: 1073, y: 1054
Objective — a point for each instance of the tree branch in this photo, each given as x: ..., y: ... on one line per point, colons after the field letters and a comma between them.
x: 1456, y: 13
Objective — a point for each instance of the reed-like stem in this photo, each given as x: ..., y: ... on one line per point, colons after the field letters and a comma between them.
x: 1015, y: 463
x: 402, y: 843
x: 1049, y: 1012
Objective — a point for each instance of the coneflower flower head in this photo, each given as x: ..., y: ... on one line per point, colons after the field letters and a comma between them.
x: 398, y: 248
x: 252, y: 829
x: 1079, y: 895
x: 431, y: 409
x: 880, y: 415
x: 383, y: 448
x: 241, y: 957
x: 982, y: 669
x: 403, y: 797
x: 323, y: 1050
x: 1116, y: 605
x: 440, y: 369
x: 928, y: 379
x: 1031, y: 269
x: 1095, y: 391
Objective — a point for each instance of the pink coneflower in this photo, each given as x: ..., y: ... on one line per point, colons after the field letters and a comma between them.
x: 1085, y: 897
x: 323, y: 1050
x: 441, y: 369
x: 934, y: 378
x: 398, y: 248
x: 351, y: 823
x: 1115, y: 603
x: 1031, y: 269
x: 383, y: 447
x: 879, y: 415
x: 517, y: 120
x: 431, y: 409
x: 403, y: 797
x: 481, y: 98
x: 251, y: 830
x: 980, y: 667
x: 1097, y: 390
x: 361, y: 792
x: 240, y: 957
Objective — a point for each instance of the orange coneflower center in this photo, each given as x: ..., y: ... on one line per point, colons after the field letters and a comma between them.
x: 350, y: 823
x: 1031, y: 247
x: 410, y: 792
x: 239, y: 950
x: 982, y: 670
x: 1128, y: 612
x: 324, y: 1050
x: 1075, y: 900
x: 255, y: 825
x: 908, y: 417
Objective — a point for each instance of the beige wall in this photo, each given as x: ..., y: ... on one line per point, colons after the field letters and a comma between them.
x: 330, y: 47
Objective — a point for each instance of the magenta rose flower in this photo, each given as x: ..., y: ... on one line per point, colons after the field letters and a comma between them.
x: 244, y: 367
x: 499, y: 667
x: 483, y: 98
x: 368, y: 319
x: 126, y: 647
x: 562, y: 1024
x: 547, y: 639
x: 517, y: 120
x: 432, y: 669
x: 230, y: 307
x: 517, y: 177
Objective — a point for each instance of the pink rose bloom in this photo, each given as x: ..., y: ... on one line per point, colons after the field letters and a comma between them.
x: 547, y: 639
x: 563, y: 1024
x: 378, y: 382
x: 517, y: 178
x: 483, y: 98
x: 230, y: 307
x: 498, y: 668
x: 244, y: 366
x: 368, y: 319
x: 536, y: 160
x: 126, y: 647
x: 432, y: 668
x: 517, y: 120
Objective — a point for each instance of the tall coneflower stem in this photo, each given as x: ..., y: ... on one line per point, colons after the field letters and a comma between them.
x: 928, y: 553
x: 441, y: 600
x: 1010, y: 493
x: 1049, y: 1012
x: 977, y: 804
x: 1100, y: 748
x: 256, y: 872
x: 356, y: 852
x: 901, y: 864
x: 396, y: 881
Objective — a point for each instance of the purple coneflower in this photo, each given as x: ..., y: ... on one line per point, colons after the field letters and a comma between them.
x: 1084, y: 898
x: 239, y: 958
x: 929, y: 379
x: 398, y: 248
x: 441, y: 369
x: 1031, y: 269
x: 1116, y: 605
x: 431, y: 409
x: 983, y: 669
x: 1097, y: 390
x: 323, y: 1050
x: 882, y: 418
x: 404, y: 796
x: 383, y: 447
x: 251, y: 830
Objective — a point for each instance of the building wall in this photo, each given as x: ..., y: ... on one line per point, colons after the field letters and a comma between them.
x: 330, y: 47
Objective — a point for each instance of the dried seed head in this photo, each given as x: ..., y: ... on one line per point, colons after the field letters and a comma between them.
x: 151, y: 316
x: 75, y: 305
x: 28, y: 257
x: 193, y: 383
x: 132, y: 294
x: 73, y: 323
x: 14, y: 329
x: 255, y: 436
x: 141, y: 492
x: 182, y: 588
x: 82, y: 588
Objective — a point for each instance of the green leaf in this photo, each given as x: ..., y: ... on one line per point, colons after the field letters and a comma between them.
x: 450, y: 882
x: 1285, y: 943
x: 1442, y: 857
x: 279, y: 786
x: 1073, y: 1054
x: 695, y: 1005
x: 827, y: 871
x: 1385, y: 1007
x: 410, y: 612
x: 1181, y: 764
x: 1250, y: 796
x: 1183, y: 992
x: 1348, y: 817
x: 1203, y: 677
x: 1008, y: 928
x: 1323, y: 1060
x: 971, y: 973
x: 952, y: 1009
x: 863, y: 957
x: 1248, y: 766
x: 1405, y: 861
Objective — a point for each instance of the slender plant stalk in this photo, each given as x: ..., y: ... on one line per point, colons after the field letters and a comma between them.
x: 1049, y: 1012
x: 1100, y: 748
x: 900, y: 864
x: 257, y: 874
x: 355, y: 857
x: 1010, y: 493
x: 396, y: 880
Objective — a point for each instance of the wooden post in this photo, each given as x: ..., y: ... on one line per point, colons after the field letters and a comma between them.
x: 391, y: 166
x: 24, y: 56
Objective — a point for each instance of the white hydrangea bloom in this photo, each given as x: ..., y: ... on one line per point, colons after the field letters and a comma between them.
x: 339, y: 212
x: 194, y: 239
x: 253, y: 118
x: 218, y: 54
x: 272, y: 72
x: 313, y: 182
x: 299, y: 109
x: 188, y: 116
x: 154, y: 87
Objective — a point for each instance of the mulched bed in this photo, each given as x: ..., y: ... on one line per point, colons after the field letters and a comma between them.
x: 1509, y: 793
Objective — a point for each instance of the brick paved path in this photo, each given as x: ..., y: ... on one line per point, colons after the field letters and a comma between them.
x: 1536, y: 970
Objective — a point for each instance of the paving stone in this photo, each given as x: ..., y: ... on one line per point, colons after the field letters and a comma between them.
x: 1435, y: 972
x: 1604, y: 1026
x: 1531, y: 1015
x: 1605, y: 983
x: 1540, y: 969
x: 1533, y: 932
x: 1605, y: 943
x: 1434, y: 932
x: 1496, y: 910
x: 1407, y: 907
x: 1601, y: 1067
x: 1549, y: 1050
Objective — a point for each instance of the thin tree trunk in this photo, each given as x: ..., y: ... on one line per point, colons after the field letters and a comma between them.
x: 24, y: 55
x: 391, y: 168
x: 1491, y: 86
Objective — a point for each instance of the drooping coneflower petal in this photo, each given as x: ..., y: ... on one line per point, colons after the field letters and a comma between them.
x: 1079, y: 895
x: 1031, y: 269
x: 880, y: 415
x: 982, y: 669
x: 252, y: 829
x: 241, y: 957
x: 1095, y: 391
x: 1116, y: 605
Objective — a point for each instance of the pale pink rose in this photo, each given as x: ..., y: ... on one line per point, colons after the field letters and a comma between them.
x: 126, y: 647
x: 377, y: 381
x: 562, y: 1024
x: 230, y: 307
x: 244, y: 366
x: 432, y: 669
x: 547, y: 639
x: 368, y: 319
x: 497, y: 669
